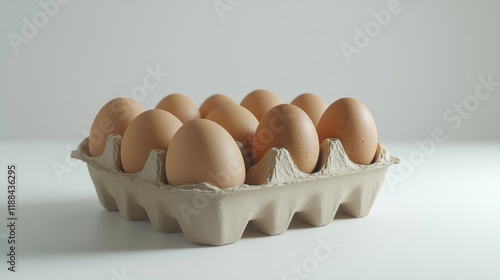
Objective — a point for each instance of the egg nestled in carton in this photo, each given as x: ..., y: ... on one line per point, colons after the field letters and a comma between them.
x: 209, y: 178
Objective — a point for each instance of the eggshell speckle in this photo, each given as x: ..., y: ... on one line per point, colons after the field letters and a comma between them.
x: 203, y: 151
x: 153, y: 129
x: 113, y: 118
x: 351, y: 122
x: 289, y: 127
x: 213, y: 102
x: 260, y: 101
x: 180, y: 106
x: 312, y: 104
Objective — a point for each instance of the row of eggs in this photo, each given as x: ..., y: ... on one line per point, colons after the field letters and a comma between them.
x: 200, y: 142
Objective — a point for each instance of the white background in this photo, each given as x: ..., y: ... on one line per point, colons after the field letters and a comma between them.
x: 427, y: 59
x: 441, y: 223
x: 436, y: 216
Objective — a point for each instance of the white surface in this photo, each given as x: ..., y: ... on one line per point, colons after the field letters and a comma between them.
x: 441, y: 223
x: 426, y: 60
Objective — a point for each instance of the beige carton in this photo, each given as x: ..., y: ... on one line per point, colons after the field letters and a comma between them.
x: 208, y: 215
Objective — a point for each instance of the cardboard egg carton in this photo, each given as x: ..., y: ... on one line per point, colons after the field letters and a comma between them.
x: 208, y: 215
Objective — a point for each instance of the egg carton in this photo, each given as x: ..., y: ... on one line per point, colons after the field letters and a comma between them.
x: 208, y: 215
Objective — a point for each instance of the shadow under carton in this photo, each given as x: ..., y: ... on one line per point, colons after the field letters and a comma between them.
x: 208, y: 215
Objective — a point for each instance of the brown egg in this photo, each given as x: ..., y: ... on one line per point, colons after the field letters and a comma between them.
x: 153, y: 129
x: 213, y: 102
x: 351, y: 122
x: 238, y: 121
x: 289, y: 127
x: 203, y: 151
x: 260, y: 101
x: 180, y: 106
x: 113, y: 118
x: 312, y: 104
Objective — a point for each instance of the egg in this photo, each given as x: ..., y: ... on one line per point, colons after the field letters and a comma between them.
x: 351, y: 122
x: 203, y: 151
x: 238, y: 121
x: 180, y: 106
x: 288, y: 126
x: 312, y: 104
x: 260, y: 101
x: 241, y: 125
x: 153, y: 129
x: 113, y: 118
x: 213, y: 102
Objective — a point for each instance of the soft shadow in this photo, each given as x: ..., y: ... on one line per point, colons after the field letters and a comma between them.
x: 295, y: 224
x: 342, y: 216
x: 252, y: 232
x: 84, y: 227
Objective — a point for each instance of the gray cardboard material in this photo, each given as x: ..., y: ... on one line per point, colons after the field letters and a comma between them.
x: 208, y: 215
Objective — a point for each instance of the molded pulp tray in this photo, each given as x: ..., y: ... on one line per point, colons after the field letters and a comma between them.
x: 209, y: 215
